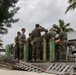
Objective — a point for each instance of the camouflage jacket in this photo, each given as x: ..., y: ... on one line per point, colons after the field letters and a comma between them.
x: 63, y: 36
x: 22, y: 38
x: 36, y: 34
x: 17, y: 39
x: 52, y: 35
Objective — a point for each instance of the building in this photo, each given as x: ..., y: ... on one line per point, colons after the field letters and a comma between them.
x: 71, y: 35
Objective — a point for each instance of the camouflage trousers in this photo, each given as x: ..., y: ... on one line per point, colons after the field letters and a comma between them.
x: 21, y: 51
x: 17, y: 50
x: 36, y: 50
x: 60, y: 51
x: 30, y: 52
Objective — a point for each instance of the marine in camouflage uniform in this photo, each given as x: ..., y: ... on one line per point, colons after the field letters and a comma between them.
x: 52, y: 34
x: 22, y: 42
x: 63, y: 43
x: 29, y: 41
x: 17, y: 48
x: 36, y: 35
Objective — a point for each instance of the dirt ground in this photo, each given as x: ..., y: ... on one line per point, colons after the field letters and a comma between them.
x: 15, y: 72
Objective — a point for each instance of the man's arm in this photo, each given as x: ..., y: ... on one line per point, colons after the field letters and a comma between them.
x: 16, y: 40
x: 42, y: 28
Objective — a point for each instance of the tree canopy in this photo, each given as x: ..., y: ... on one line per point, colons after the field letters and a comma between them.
x: 8, y: 9
x: 60, y: 25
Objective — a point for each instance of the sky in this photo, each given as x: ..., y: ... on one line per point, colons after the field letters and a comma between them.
x: 44, y: 12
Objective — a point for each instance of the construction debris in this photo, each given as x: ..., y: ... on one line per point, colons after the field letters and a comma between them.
x: 60, y: 69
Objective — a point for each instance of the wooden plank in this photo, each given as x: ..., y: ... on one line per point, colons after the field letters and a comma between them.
x: 57, y: 68
x: 31, y: 69
x: 49, y: 63
x: 53, y: 67
x: 64, y: 70
x: 61, y: 68
x: 50, y: 67
x: 71, y: 67
x: 28, y: 67
x: 24, y: 67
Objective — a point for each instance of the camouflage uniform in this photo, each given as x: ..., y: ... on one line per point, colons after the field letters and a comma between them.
x: 22, y: 42
x: 63, y: 45
x: 63, y: 36
x: 52, y: 34
x: 29, y: 40
x: 36, y: 34
x: 17, y: 48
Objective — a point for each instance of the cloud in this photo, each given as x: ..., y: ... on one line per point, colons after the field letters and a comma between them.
x: 44, y: 12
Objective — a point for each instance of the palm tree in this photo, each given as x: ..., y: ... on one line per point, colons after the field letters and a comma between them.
x: 62, y: 24
x: 72, y: 5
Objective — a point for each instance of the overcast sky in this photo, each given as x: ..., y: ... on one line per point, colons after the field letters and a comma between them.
x: 44, y: 12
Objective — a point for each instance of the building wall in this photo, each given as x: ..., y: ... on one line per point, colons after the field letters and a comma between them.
x: 71, y: 35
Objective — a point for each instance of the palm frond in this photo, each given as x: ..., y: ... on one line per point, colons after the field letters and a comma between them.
x: 1, y: 44
x: 67, y: 25
x: 71, y: 1
x: 57, y: 31
x: 1, y: 40
x: 4, y: 31
x: 72, y: 6
x: 56, y: 28
x: 61, y: 23
x: 69, y: 29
